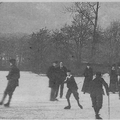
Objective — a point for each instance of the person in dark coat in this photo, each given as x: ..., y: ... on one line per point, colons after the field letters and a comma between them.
x: 52, y: 74
x: 62, y: 74
x: 13, y: 82
x: 72, y: 88
x: 113, y: 80
x: 119, y: 79
x: 96, y: 93
x: 88, y: 74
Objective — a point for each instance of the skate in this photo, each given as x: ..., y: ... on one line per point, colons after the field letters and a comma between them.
x: 98, y: 117
x: 67, y: 107
x: 1, y: 103
x: 7, y: 105
x: 56, y: 99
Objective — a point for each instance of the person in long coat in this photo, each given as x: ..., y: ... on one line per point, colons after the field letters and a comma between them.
x: 61, y: 78
x: 97, y: 92
x: 52, y: 74
x: 13, y: 82
x: 113, y: 80
x: 119, y: 79
x: 88, y: 74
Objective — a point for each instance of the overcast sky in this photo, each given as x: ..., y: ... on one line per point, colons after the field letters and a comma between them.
x: 29, y: 17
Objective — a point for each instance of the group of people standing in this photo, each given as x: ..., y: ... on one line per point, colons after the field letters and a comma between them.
x: 59, y: 75
x: 56, y: 74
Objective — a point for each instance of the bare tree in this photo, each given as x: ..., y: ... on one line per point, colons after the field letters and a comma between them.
x: 89, y: 12
x: 112, y: 37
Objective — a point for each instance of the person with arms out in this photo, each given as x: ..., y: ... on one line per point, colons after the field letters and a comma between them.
x: 97, y: 92
x: 88, y: 74
x: 72, y: 88
x: 13, y: 82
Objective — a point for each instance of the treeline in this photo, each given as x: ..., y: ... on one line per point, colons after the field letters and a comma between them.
x: 71, y: 44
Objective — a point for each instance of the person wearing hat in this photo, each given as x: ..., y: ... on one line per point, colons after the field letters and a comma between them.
x: 52, y: 74
x: 88, y: 74
x: 62, y: 75
x: 13, y: 82
x: 72, y: 88
x: 113, y: 79
x: 97, y: 92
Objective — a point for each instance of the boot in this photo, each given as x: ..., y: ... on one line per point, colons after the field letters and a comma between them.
x: 4, y: 96
x: 7, y: 104
x: 67, y: 107
x: 56, y: 99
x: 97, y: 116
x: 80, y: 106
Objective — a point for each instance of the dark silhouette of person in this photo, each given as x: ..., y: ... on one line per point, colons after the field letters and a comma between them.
x: 13, y: 82
x: 72, y: 89
x: 96, y: 93
x: 113, y: 79
x: 62, y: 76
x: 52, y: 74
x: 88, y: 74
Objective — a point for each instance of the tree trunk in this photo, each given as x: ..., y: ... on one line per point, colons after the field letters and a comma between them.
x: 94, y: 32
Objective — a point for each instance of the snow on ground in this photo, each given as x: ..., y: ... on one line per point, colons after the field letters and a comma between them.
x: 31, y: 101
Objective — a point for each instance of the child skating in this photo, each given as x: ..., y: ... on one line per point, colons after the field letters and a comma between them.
x: 72, y: 88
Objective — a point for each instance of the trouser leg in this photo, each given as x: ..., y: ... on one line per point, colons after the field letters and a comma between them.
x: 3, y: 98
x: 56, y: 90
x: 68, y: 97
x: 94, y: 103
x: 52, y: 94
x: 10, y: 97
x: 76, y: 95
x: 9, y: 100
x: 61, y: 90
x: 99, y: 103
x: 119, y: 91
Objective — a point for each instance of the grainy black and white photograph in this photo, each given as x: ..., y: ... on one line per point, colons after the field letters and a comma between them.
x: 59, y: 60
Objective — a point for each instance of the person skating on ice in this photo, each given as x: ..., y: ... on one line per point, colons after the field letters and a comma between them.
x: 12, y: 77
x: 72, y: 88
x: 96, y: 93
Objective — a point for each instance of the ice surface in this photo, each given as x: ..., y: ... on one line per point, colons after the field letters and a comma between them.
x: 31, y: 101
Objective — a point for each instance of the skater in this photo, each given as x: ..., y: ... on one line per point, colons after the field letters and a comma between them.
x: 88, y: 73
x: 113, y: 80
x: 97, y: 92
x: 13, y: 82
x: 62, y: 74
x: 52, y: 74
x: 72, y: 88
